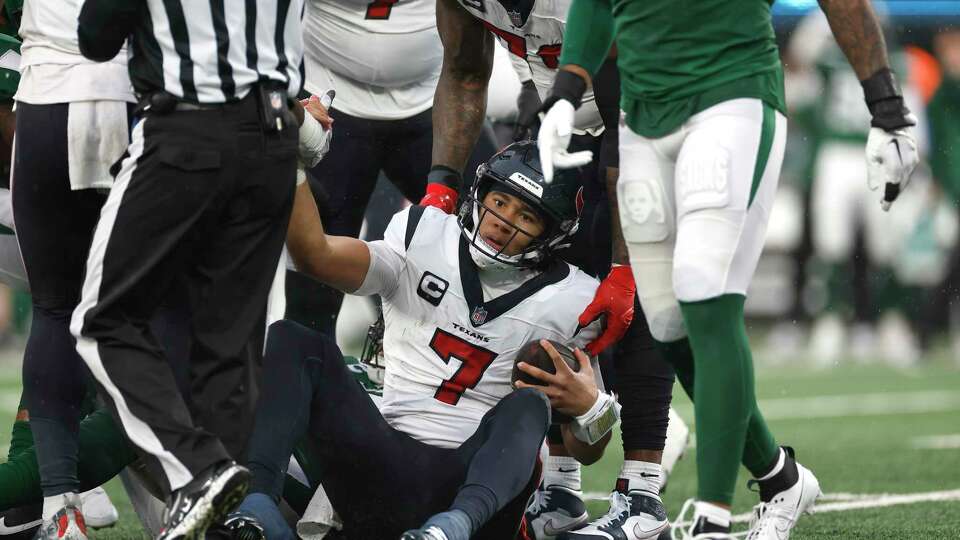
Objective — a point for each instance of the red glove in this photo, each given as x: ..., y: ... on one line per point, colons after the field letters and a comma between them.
x: 440, y: 196
x: 614, y: 298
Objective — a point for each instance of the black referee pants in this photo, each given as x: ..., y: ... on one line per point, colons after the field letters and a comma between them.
x: 206, y: 196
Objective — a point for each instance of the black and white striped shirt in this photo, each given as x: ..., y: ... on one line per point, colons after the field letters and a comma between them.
x: 202, y: 51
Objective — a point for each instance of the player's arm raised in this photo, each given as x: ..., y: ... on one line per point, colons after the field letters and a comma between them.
x: 891, y: 146
x: 460, y: 102
x: 339, y: 261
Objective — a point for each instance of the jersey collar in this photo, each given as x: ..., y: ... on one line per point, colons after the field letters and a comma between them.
x: 483, y: 312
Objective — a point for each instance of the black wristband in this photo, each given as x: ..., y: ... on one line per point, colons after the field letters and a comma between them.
x: 566, y: 85
x: 441, y: 174
x: 885, y: 101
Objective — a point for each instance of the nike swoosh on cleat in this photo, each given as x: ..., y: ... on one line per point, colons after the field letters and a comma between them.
x: 646, y: 534
x: 645, y: 475
x: 561, y: 469
x: 14, y: 529
x: 549, y: 530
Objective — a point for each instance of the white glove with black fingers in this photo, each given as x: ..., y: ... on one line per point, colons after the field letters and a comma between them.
x: 891, y: 158
x: 314, y: 138
x: 557, y: 125
x: 892, y: 143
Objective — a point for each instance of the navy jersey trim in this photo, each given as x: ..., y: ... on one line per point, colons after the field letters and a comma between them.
x: 413, y: 219
x: 483, y: 312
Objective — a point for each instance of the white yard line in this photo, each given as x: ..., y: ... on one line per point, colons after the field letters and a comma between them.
x: 936, y: 442
x: 835, y: 406
x: 843, y: 502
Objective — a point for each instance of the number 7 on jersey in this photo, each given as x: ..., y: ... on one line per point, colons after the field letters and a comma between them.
x: 474, y: 361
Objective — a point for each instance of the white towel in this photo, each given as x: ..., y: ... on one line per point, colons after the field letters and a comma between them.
x: 97, y: 136
x: 319, y: 518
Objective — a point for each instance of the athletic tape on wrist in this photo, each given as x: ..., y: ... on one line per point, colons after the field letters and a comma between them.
x: 593, y: 425
x: 311, y: 139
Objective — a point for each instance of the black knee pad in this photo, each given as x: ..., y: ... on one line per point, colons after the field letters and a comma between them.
x: 644, y: 384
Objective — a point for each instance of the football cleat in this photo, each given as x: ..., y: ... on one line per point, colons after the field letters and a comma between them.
x: 244, y: 526
x: 204, y: 501
x: 67, y: 524
x: 553, y: 510
x: 773, y: 520
x: 428, y: 533
x: 697, y: 527
x: 98, y: 511
x: 21, y: 523
x: 633, y: 515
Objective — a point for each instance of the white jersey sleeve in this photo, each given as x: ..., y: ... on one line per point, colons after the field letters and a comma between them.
x: 387, y: 259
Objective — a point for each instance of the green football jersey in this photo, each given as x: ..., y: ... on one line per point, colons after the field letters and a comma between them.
x: 9, y: 66
x: 679, y: 57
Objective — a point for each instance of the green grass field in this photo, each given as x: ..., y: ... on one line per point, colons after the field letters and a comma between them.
x: 866, y: 431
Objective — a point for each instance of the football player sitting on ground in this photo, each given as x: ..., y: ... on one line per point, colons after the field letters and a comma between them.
x: 452, y: 447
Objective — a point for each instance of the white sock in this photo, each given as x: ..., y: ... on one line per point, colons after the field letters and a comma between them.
x: 717, y: 515
x: 642, y: 475
x: 776, y: 468
x: 52, y: 505
x: 562, y: 471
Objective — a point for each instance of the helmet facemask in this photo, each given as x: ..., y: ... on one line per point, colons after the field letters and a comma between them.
x: 484, y: 255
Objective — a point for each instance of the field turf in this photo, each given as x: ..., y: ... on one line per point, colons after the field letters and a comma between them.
x: 868, y: 432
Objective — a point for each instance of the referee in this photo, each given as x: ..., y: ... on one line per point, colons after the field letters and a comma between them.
x: 204, y: 193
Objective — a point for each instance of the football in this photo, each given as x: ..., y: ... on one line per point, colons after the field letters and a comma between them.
x: 532, y: 353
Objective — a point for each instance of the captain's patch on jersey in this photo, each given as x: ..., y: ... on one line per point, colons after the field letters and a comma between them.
x: 432, y: 288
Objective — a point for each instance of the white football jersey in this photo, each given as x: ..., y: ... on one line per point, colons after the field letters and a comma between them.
x: 383, y: 57
x: 51, y: 66
x: 538, y: 41
x: 449, y: 353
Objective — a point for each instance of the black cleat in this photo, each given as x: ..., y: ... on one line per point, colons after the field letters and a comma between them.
x: 244, y: 526
x: 192, y: 509
x: 21, y: 523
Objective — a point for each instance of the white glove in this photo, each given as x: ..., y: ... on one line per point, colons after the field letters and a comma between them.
x: 314, y: 140
x: 553, y: 139
x: 891, y: 158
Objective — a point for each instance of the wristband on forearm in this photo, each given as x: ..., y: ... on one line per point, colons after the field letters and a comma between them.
x: 566, y: 85
x: 443, y: 175
x: 885, y: 101
x: 593, y: 425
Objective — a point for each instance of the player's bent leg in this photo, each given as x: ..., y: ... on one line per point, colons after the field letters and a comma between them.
x: 516, y: 426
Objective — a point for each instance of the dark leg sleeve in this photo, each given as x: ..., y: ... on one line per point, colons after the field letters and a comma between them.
x: 408, y: 160
x: 283, y: 410
x: 644, y: 385
x: 515, y: 427
x: 54, y: 228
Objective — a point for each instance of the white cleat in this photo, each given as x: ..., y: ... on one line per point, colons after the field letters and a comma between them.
x: 773, y: 520
x: 98, y: 511
x: 635, y: 515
